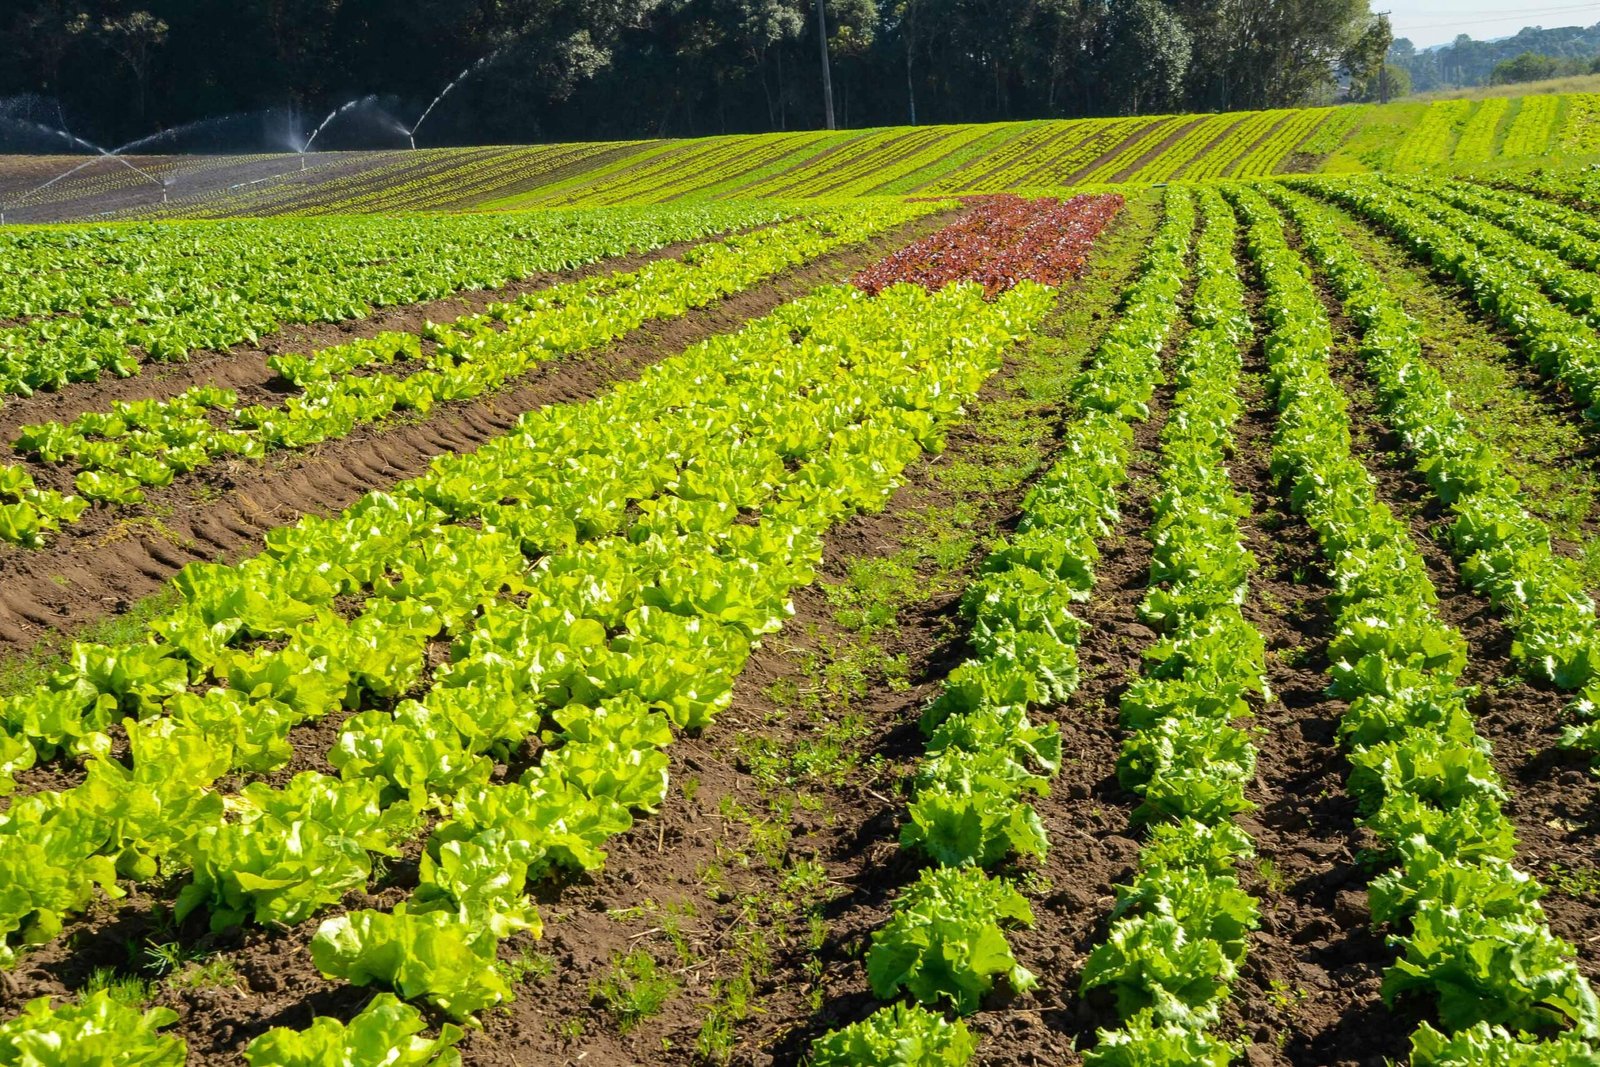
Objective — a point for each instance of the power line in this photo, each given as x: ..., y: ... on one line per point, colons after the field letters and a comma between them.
x: 1512, y: 14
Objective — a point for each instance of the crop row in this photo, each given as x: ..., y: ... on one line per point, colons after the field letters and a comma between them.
x: 593, y: 581
x: 1302, y: 131
x: 214, y: 192
x: 1504, y: 552
x: 760, y: 163
x: 1522, y: 243
x: 882, y: 158
x: 449, y: 186
x: 105, y: 176
x: 660, y: 177
x: 999, y: 242
x: 910, y: 169
x: 381, y: 181
x: 1000, y: 157
x: 1532, y: 127
x: 1580, y: 124
x: 1333, y: 132
x: 990, y: 171
x: 1205, y: 140
x: 1557, y: 343
x: 1127, y: 155
x: 985, y: 756
x: 1059, y: 162
x: 1477, y: 136
x: 563, y: 188
x: 1467, y: 922
x: 1239, y: 140
x: 1573, y: 233
x: 1579, y: 189
x: 1433, y: 140
x: 147, y: 443
x: 100, y: 300
x: 1180, y: 927
x: 28, y: 513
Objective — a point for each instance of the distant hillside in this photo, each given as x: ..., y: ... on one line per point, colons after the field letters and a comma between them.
x: 1037, y: 156
x: 1467, y: 62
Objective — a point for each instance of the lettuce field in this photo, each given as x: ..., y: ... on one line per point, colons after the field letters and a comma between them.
x: 1115, y: 592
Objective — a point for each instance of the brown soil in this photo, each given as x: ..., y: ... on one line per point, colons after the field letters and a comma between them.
x: 1301, y: 163
x: 111, y: 559
x: 1093, y: 845
x: 1309, y: 990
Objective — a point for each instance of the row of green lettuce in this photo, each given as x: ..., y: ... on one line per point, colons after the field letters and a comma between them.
x: 645, y: 593
x: 1179, y: 930
x: 945, y: 942
x: 1505, y: 553
x: 1491, y: 265
x: 1578, y: 188
x: 76, y: 302
x: 146, y: 443
x: 1467, y: 922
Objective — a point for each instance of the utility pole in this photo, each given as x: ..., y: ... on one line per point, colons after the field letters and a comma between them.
x: 827, y: 76
x: 1383, y: 64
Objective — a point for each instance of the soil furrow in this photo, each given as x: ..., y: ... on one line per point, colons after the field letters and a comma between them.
x: 1308, y: 993
x: 1094, y: 846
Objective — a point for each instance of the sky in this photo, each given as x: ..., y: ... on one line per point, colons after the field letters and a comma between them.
x: 1430, y: 22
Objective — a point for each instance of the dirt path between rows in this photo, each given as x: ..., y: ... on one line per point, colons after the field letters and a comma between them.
x: 1094, y: 846
x: 1308, y: 993
x: 106, y: 562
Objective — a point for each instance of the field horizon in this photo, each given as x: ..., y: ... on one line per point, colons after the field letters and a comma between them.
x: 1034, y: 156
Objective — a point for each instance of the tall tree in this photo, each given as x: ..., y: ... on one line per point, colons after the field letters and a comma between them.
x: 136, y: 38
x: 1146, y: 59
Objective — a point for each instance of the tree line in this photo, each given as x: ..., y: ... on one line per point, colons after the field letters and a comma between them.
x: 585, y: 69
x: 1530, y: 55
